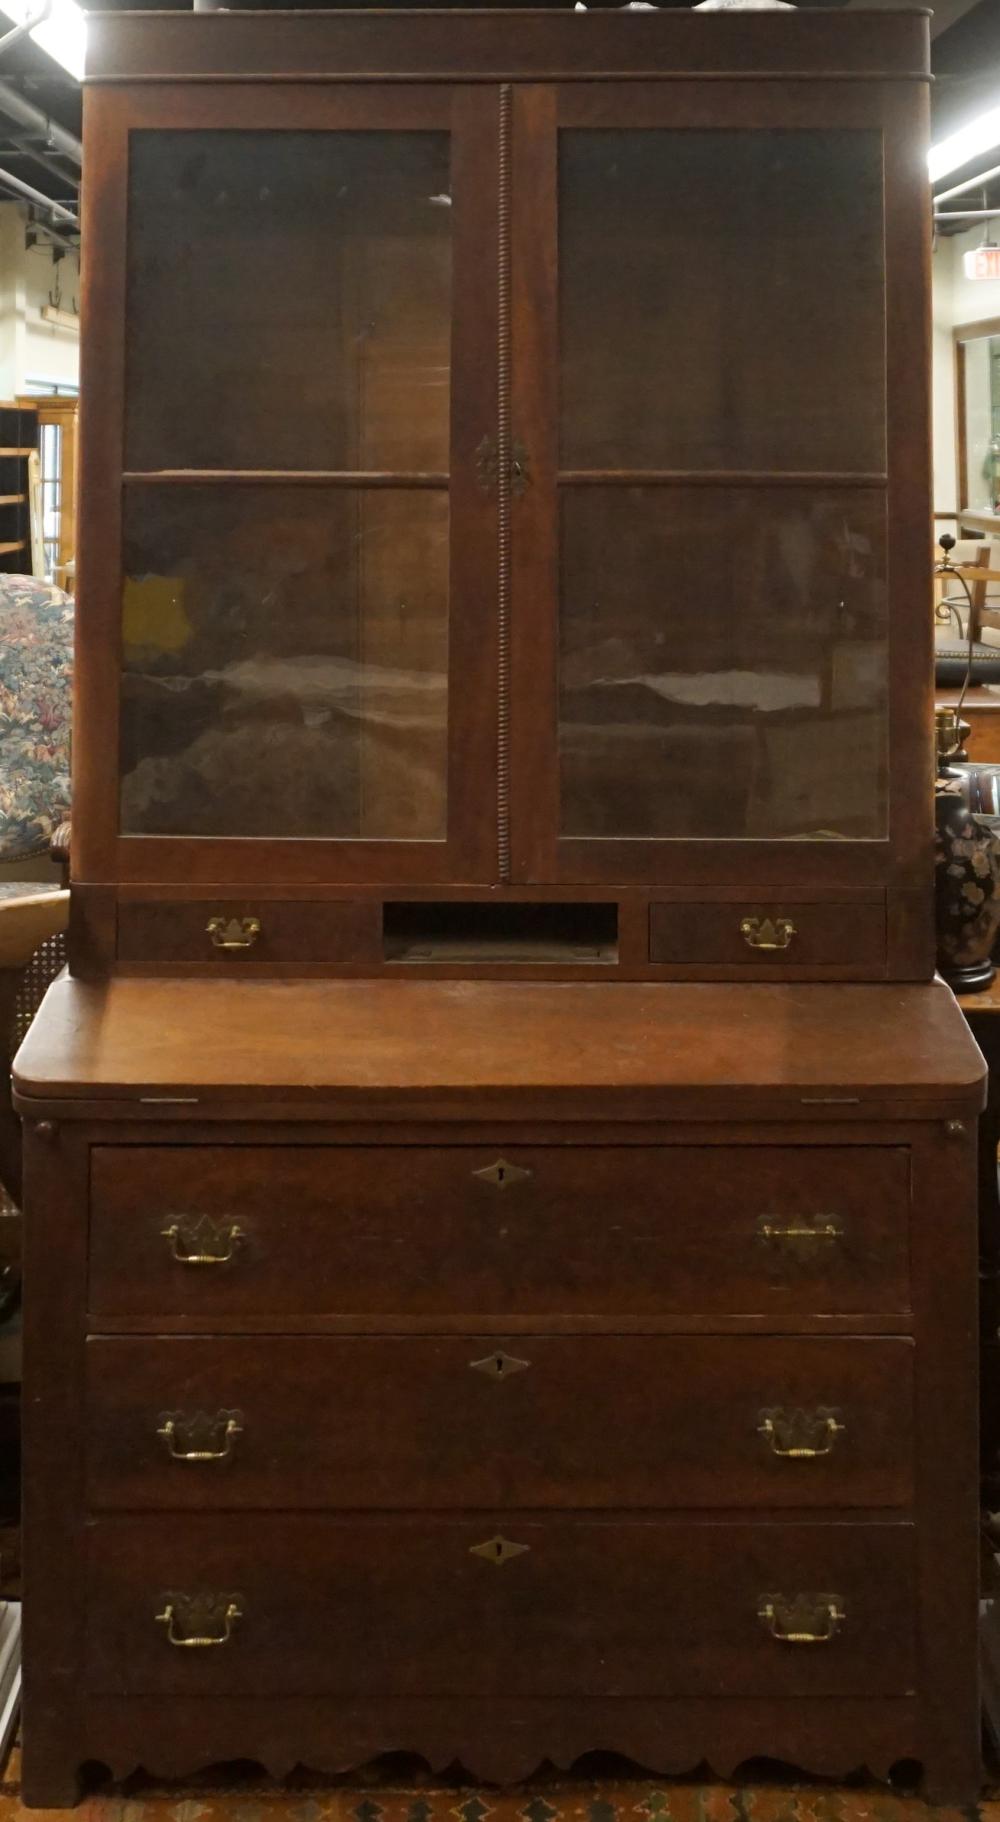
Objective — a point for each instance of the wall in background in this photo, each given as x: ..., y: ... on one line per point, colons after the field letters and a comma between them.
x: 956, y: 299
x: 972, y: 298
x: 33, y: 352
x: 943, y: 381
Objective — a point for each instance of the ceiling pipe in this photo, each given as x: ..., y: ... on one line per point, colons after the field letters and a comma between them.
x: 41, y: 201
x: 26, y: 27
x: 23, y: 147
x: 17, y: 107
x: 971, y: 183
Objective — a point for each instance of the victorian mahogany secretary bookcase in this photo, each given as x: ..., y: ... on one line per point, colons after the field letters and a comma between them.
x: 504, y: 580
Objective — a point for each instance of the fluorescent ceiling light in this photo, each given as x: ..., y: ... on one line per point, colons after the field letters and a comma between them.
x: 61, y: 29
x: 981, y: 135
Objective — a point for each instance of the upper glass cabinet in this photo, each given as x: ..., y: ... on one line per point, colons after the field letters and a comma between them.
x: 504, y: 488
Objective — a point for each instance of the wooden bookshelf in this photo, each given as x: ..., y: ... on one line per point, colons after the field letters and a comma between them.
x: 18, y: 441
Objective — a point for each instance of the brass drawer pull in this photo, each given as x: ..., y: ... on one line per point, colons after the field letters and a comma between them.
x: 802, y: 1619
x: 802, y: 1234
x: 767, y: 933
x: 202, y: 1241
x: 498, y: 1550
x: 203, y: 1619
x: 799, y: 1435
x: 233, y: 932
x: 197, y: 1438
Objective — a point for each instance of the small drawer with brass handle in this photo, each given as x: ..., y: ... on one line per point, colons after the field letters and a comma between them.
x: 200, y: 1437
x: 798, y: 1434
x: 843, y: 938
x: 257, y: 933
x: 802, y: 1619
x: 198, y: 1240
x: 196, y: 1622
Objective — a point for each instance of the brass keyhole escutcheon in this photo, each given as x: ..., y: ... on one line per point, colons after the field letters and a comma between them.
x: 502, y: 1174
x: 499, y: 1365
x: 498, y: 1550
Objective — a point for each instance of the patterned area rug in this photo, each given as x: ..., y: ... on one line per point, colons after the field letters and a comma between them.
x: 304, y: 1799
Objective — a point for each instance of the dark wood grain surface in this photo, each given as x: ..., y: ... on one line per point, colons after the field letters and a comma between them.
x: 412, y: 1231
x: 338, y: 1040
x: 405, y: 1607
x: 585, y: 1422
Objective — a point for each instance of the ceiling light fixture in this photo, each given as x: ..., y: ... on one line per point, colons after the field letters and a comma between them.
x: 981, y: 135
x: 59, y: 29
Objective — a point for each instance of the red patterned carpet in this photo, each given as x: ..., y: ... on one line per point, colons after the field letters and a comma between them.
x: 555, y: 1800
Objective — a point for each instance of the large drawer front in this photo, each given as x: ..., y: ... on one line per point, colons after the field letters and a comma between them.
x: 553, y: 1607
x: 532, y: 1421
x: 217, y: 1231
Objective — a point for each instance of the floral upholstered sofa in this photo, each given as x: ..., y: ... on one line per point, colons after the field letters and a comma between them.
x: 36, y: 664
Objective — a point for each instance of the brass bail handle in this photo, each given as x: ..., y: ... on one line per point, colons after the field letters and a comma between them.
x: 233, y: 932
x: 203, y: 1242
x: 201, y: 1433
x: 802, y: 1619
x: 800, y: 1435
x: 199, y: 1613
x: 800, y: 1232
x: 767, y: 933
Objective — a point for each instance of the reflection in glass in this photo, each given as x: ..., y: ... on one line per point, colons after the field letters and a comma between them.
x: 285, y: 662
x: 723, y: 663
x: 721, y: 300
x: 981, y: 359
x: 288, y: 300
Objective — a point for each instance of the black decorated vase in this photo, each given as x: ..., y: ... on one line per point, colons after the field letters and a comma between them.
x: 967, y: 889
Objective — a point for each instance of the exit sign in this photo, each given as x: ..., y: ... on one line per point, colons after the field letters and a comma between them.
x: 983, y: 263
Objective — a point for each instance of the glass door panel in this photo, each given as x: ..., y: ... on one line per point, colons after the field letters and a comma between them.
x: 285, y: 658
x: 292, y: 536
x: 722, y: 663
x: 289, y: 300
x: 721, y: 300
x: 720, y: 489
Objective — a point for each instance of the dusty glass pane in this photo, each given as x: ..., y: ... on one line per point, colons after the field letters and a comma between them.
x: 289, y: 300
x: 723, y: 663
x: 721, y: 300
x: 285, y: 662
